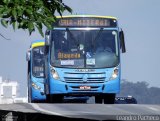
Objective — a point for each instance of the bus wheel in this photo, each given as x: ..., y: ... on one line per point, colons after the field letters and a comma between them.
x: 48, y: 98
x: 98, y: 99
x: 56, y: 98
x: 30, y: 96
x: 29, y: 89
x: 29, y: 99
x: 109, y: 98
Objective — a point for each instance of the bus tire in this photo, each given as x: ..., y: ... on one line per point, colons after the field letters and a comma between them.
x: 56, y: 98
x: 48, y: 98
x: 29, y: 90
x: 29, y: 97
x: 98, y: 99
x: 109, y: 98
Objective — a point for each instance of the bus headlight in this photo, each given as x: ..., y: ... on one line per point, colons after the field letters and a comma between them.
x: 36, y: 86
x: 114, y: 74
x: 54, y: 74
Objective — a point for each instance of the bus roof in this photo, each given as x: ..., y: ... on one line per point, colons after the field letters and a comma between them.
x: 96, y: 16
x: 37, y: 43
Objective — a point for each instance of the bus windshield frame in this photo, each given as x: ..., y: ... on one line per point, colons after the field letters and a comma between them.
x: 80, y: 56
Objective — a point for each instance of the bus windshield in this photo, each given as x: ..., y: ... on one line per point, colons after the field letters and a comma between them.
x: 38, y: 61
x: 95, y: 48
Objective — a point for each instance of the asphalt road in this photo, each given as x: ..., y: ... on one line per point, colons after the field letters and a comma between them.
x: 86, y: 111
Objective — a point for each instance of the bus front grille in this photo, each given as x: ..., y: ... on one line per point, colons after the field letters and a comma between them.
x: 84, y: 78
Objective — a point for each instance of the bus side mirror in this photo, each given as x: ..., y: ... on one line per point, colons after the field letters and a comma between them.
x: 47, y: 37
x: 122, y: 41
x: 28, y: 54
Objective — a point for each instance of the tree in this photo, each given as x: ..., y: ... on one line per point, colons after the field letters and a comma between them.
x: 141, y: 92
x: 31, y: 14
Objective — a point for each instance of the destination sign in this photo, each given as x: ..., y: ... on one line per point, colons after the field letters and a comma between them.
x: 68, y: 55
x: 85, y: 22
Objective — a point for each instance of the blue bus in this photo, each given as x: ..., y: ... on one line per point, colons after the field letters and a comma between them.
x: 82, y: 58
x: 35, y: 73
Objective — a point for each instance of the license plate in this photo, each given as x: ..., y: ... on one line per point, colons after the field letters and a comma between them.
x: 85, y: 87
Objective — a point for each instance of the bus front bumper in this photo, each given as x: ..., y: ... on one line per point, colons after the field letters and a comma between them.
x: 37, y: 95
x: 59, y: 87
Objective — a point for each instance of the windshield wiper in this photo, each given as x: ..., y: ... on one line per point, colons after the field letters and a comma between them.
x: 96, y: 38
x: 76, y: 41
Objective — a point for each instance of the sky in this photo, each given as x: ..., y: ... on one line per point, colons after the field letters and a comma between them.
x: 138, y: 18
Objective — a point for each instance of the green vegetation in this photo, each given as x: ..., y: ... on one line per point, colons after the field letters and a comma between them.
x: 31, y: 14
x: 141, y: 92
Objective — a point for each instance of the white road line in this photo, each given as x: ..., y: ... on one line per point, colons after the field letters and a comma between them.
x: 152, y: 108
x: 35, y: 106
